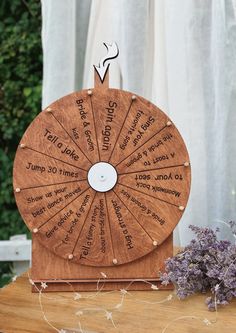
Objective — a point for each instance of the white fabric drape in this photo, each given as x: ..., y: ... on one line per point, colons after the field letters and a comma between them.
x: 64, y: 38
x: 178, y: 54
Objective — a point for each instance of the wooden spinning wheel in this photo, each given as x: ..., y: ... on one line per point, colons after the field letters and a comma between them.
x: 101, y: 178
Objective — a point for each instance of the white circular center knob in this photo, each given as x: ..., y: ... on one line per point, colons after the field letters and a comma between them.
x: 102, y: 177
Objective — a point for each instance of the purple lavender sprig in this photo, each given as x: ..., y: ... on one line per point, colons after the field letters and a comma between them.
x: 205, y: 264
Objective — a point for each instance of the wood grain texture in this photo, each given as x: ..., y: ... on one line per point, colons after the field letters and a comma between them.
x: 20, y: 312
x: 77, y: 231
x: 55, y: 199
x: 49, y: 267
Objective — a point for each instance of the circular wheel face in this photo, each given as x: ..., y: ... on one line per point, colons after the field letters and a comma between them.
x: 101, y: 177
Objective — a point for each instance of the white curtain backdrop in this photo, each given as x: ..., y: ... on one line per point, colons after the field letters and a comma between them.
x: 179, y: 54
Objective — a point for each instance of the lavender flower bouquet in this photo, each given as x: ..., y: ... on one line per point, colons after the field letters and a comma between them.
x: 205, y: 264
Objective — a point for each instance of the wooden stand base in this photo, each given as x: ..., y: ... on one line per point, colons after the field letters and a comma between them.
x: 64, y: 275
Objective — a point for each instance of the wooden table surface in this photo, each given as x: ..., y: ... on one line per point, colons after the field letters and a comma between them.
x: 20, y: 312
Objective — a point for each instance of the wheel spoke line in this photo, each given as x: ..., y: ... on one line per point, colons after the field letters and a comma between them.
x: 149, y: 195
x: 95, y: 128
x: 141, y: 145
x: 122, y: 126
x: 55, y: 158
x: 77, y: 239
x: 153, y: 169
x: 71, y: 137
x: 62, y: 208
x: 134, y: 216
x: 109, y: 224
x: 66, y: 182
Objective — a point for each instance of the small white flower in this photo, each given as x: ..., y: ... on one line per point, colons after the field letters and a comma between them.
x: 154, y: 287
x: 169, y: 297
x: 123, y: 291
x: 14, y: 278
x: 118, y: 306
x: 77, y: 296
x: 109, y: 315
x: 165, y: 282
x: 31, y: 282
x: 207, y: 322
x: 79, y: 313
x: 61, y: 331
x: 103, y: 275
x: 217, y: 286
x: 44, y: 285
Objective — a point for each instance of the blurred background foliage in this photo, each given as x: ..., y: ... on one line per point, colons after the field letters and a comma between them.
x: 20, y: 99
